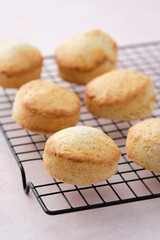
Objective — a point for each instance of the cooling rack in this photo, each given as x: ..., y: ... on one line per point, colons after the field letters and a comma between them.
x: 131, y: 183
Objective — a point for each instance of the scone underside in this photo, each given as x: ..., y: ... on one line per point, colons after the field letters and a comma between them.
x: 77, y: 173
x: 83, y: 77
x: 18, y: 79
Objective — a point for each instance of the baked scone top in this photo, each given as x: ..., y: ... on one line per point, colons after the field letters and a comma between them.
x: 117, y: 86
x: 17, y: 57
x: 147, y: 130
x: 83, y: 144
x: 48, y: 99
x: 85, y: 51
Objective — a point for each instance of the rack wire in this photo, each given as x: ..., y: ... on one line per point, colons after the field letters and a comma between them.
x: 131, y: 183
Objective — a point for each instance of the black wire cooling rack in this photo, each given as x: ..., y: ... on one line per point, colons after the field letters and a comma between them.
x: 131, y: 183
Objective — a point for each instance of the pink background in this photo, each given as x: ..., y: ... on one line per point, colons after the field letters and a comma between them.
x: 46, y: 24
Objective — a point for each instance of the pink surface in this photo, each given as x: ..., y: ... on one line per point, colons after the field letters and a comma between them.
x: 46, y: 24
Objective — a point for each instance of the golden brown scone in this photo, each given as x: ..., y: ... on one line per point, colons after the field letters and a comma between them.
x: 85, y: 56
x: 45, y: 107
x: 19, y: 63
x: 143, y: 144
x: 81, y: 155
x: 120, y: 95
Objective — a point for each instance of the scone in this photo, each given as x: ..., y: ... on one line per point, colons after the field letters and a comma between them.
x: 19, y: 63
x: 120, y: 95
x: 85, y: 56
x: 143, y: 144
x: 81, y: 155
x: 45, y: 107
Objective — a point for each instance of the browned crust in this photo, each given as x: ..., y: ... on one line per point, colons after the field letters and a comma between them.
x: 53, y: 113
x: 50, y: 150
x: 19, y: 79
x: 48, y: 113
x: 140, y: 90
x: 104, y: 58
x: 39, y: 123
x: 136, y: 131
x: 77, y: 173
x: 78, y: 60
x: 9, y: 72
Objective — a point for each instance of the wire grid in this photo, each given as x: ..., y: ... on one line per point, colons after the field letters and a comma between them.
x: 131, y: 183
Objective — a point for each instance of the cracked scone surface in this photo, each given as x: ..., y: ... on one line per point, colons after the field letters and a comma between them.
x: 81, y: 155
x: 143, y: 144
x: 85, y: 56
x: 19, y: 63
x: 121, y: 94
x: 45, y: 107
